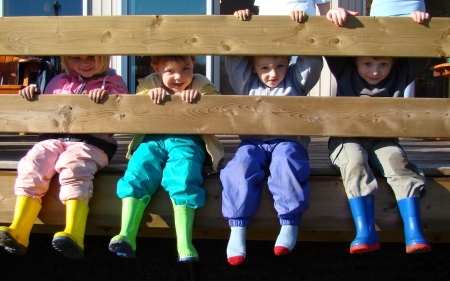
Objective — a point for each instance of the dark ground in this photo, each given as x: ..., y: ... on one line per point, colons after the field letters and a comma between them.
x: 156, y: 260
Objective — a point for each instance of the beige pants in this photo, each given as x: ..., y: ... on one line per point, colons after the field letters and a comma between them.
x: 76, y: 163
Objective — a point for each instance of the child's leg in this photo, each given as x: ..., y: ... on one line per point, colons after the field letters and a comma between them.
x: 182, y: 178
x: 288, y: 183
x: 366, y: 239
x: 410, y: 212
x: 350, y: 156
x: 71, y: 241
x: 124, y: 244
x: 242, y: 182
x: 15, y: 237
x: 407, y: 181
x: 236, y: 249
x: 139, y: 183
x: 76, y: 166
x: 35, y: 171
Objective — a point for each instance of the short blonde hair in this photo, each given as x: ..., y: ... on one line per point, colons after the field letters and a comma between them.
x: 102, y: 61
x: 163, y: 59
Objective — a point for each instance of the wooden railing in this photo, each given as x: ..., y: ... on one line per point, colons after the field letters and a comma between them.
x: 329, y: 217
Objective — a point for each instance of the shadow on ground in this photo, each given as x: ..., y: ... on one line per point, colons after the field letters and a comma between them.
x: 156, y: 260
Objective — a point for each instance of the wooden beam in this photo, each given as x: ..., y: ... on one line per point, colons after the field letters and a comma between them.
x: 329, y: 209
x: 223, y: 35
x: 314, y: 116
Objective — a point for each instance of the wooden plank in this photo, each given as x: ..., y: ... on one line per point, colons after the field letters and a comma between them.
x: 432, y: 157
x: 314, y: 116
x: 329, y: 210
x: 223, y: 35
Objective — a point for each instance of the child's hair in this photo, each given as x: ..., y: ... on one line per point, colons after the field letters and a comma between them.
x: 380, y: 58
x: 163, y: 59
x: 251, y: 59
x: 102, y: 61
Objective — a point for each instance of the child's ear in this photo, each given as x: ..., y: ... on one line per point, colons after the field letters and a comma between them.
x: 155, y: 67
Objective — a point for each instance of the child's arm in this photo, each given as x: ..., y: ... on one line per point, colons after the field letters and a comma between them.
x: 239, y: 73
x: 29, y: 92
x: 306, y: 73
x: 96, y: 94
x: 419, y: 16
x: 188, y: 95
x: 339, y: 16
x: 157, y: 95
x: 298, y: 15
x: 243, y: 14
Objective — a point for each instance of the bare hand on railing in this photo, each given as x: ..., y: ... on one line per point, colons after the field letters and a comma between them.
x: 339, y: 16
x: 29, y: 92
x: 243, y: 14
x: 157, y: 95
x: 96, y: 94
x: 298, y: 15
x: 188, y: 95
x: 419, y: 17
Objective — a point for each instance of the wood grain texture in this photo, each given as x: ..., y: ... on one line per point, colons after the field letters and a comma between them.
x: 329, y: 209
x: 314, y: 116
x: 223, y: 35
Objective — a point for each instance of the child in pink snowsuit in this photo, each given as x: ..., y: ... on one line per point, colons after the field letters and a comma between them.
x: 76, y: 157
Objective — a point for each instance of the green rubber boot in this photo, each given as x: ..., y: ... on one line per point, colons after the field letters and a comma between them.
x: 15, y: 237
x: 124, y: 244
x: 184, y: 220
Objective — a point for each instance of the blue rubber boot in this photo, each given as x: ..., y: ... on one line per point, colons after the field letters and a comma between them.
x: 363, y: 214
x: 410, y: 212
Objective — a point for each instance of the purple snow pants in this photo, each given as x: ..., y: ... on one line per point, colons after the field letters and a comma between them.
x: 242, y: 178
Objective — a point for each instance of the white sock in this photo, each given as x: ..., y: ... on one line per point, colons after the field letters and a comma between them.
x: 236, y: 244
x: 287, y: 237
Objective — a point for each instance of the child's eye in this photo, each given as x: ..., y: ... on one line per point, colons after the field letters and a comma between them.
x: 384, y: 64
x: 367, y: 64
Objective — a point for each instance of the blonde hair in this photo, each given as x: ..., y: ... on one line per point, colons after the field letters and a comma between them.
x: 101, y: 61
x: 163, y: 59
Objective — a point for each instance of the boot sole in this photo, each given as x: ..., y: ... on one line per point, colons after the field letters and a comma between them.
x: 360, y: 249
x: 122, y: 249
x: 11, y: 245
x: 418, y: 248
x: 68, y: 247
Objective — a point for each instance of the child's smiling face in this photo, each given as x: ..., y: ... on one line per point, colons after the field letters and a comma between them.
x: 176, y: 74
x: 86, y: 66
x: 270, y: 70
x: 374, y: 70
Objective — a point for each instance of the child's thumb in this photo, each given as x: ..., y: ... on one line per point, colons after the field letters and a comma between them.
x: 353, y: 13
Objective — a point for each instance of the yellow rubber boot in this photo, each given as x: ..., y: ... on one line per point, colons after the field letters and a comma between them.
x: 184, y: 220
x: 71, y: 241
x: 15, y: 237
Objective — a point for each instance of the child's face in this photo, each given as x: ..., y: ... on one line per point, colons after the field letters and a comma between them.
x: 176, y: 75
x: 270, y: 70
x: 372, y: 70
x: 86, y: 66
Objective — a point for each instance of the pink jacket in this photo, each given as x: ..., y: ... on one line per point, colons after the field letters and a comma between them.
x: 75, y: 84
